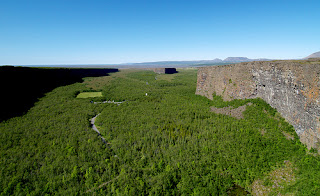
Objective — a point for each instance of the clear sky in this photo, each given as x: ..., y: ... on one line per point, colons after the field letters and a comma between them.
x: 35, y: 32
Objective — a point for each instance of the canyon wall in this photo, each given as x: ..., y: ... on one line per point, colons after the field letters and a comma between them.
x: 165, y: 70
x: 292, y: 87
x: 21, y: 87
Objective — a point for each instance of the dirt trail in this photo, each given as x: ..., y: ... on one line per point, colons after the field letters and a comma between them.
x: 94, y: 127
x: 93, y: 120
x: 118, y: 103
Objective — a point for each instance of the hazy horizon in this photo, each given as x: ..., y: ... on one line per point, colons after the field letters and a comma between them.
x: 129, y: 63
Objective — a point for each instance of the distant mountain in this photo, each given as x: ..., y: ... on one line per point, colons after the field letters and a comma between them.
x: 215, y: 61
x: 237, y: 59
x: 314, y: 55
x: 243, y: 59
x: 159, y: 64
x: 177, y: 63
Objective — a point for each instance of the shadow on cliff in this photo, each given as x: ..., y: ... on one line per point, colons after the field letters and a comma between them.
x: 170, y: 71
x: 21, y: 87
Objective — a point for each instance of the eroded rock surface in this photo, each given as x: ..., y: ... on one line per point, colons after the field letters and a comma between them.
x: 230, y: 111
x: 292, y: 87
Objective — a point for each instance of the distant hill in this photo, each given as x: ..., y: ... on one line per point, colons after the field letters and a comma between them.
x: 237, y: 59
x: 177, y: 63
x: 159, y: 64
x: 215, y: 61
x: 314, y: 55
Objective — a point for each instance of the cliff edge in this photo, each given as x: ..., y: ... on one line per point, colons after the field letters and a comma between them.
x: 292, y: 87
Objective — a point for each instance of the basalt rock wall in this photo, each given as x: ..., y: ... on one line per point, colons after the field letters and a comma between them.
x: 165, y: 70
x: 292, y: 87
x: 21, y: 87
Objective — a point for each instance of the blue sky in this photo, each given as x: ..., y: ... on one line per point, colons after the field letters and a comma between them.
x: 35, y: 32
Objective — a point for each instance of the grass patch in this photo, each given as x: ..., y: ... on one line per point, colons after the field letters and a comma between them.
x: 167, y: 77
x: 89, y: 94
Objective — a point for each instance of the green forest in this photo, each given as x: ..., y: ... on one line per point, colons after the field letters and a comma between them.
x: 161, y: 140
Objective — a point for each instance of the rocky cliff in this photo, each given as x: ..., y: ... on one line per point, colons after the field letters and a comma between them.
x: 292, y: 87
x: 23, y: 86
x: 165, y: 70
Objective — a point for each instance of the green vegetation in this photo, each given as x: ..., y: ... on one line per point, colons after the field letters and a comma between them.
x: 167, y: 77
x: 165, y: 143
x: 89, y: 94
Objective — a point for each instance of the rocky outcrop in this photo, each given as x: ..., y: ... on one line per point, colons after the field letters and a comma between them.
x: 165, y: 70
x: 292, y: 87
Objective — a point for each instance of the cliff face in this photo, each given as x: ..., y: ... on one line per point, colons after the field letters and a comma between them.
x: 165, y: 70
x: 292, y: 87
x: 26, y: 85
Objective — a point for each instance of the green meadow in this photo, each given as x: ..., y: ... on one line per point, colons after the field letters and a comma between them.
x: 89, y: 94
